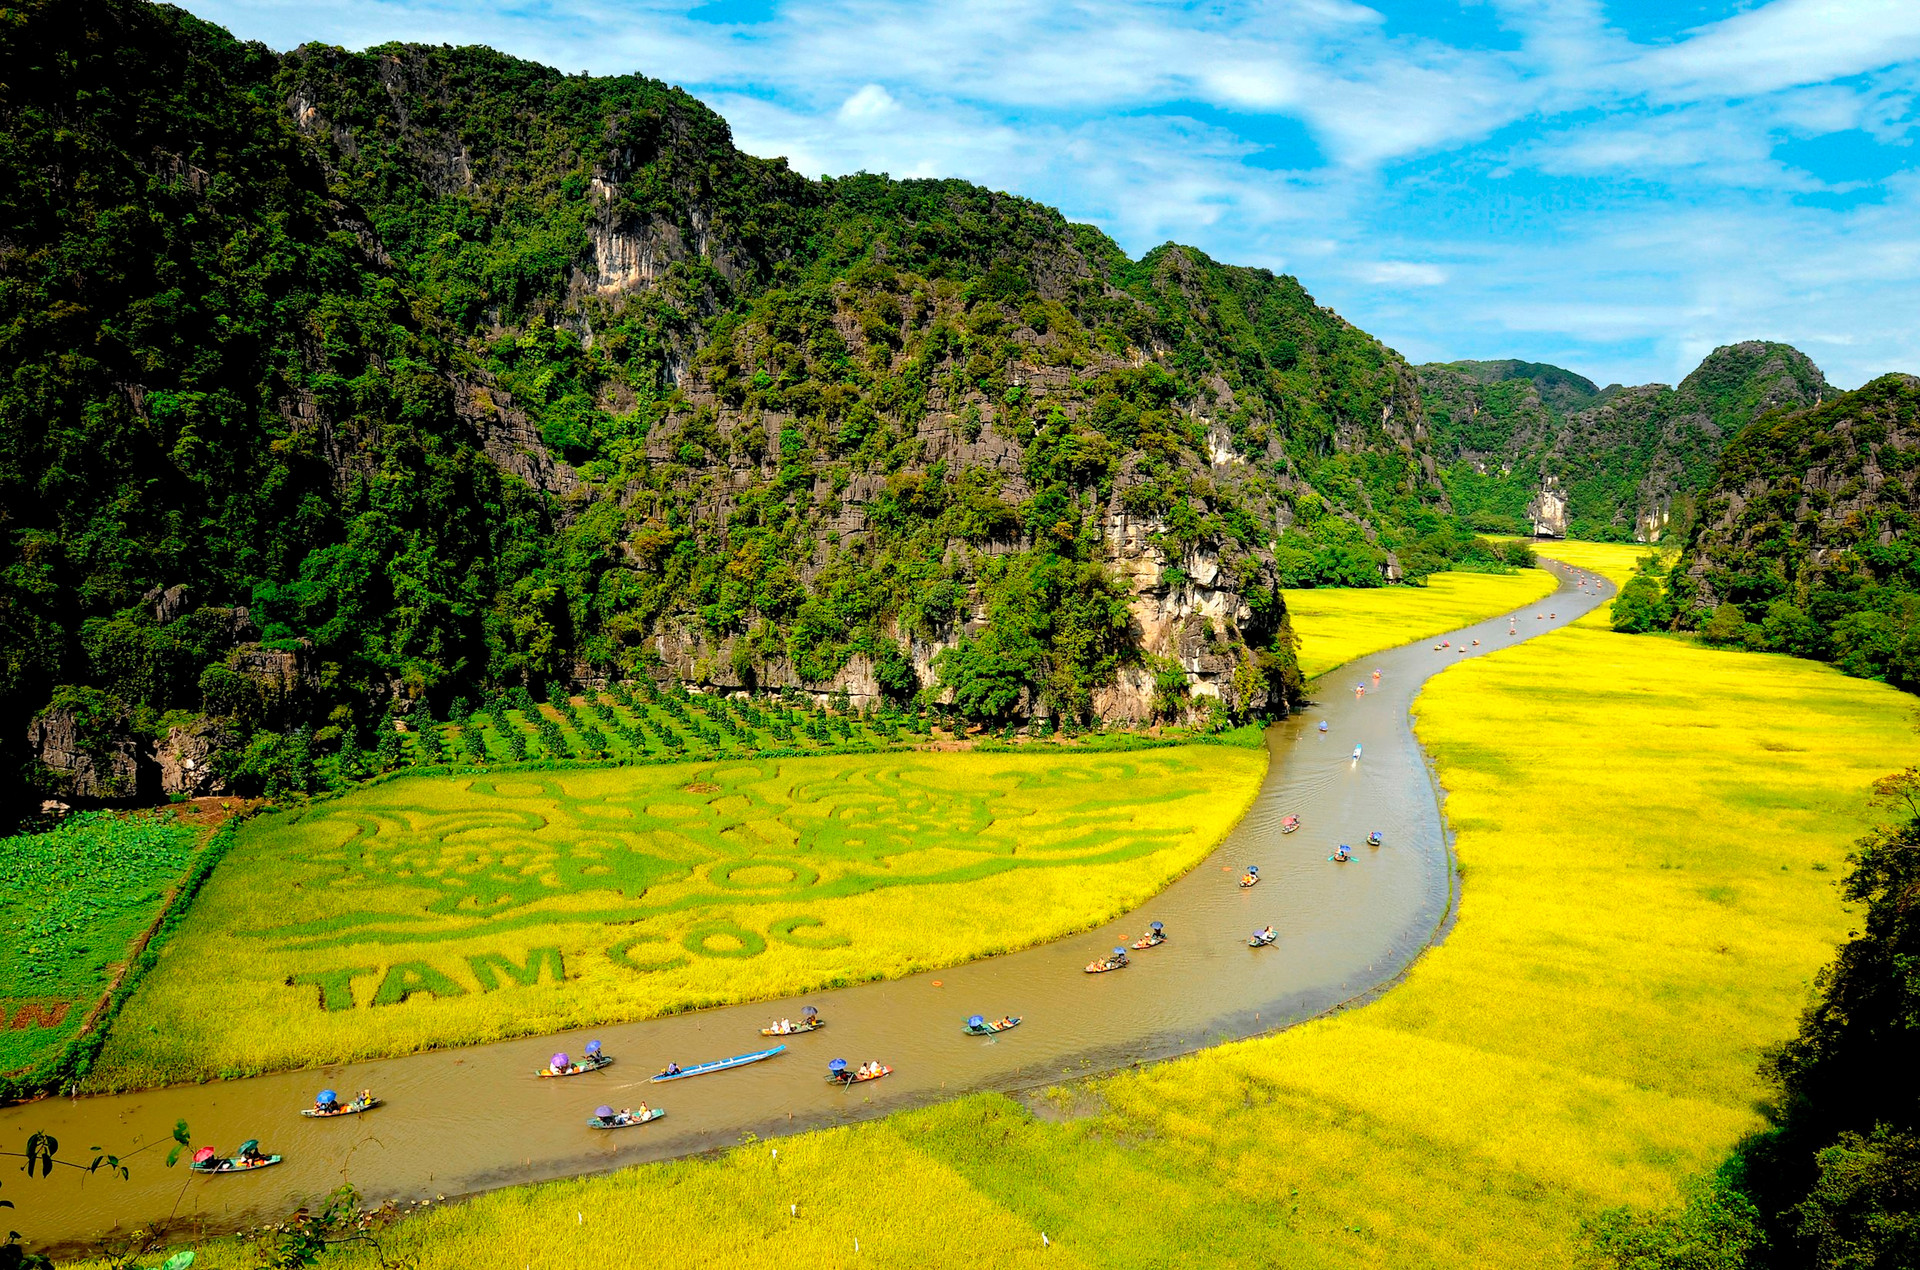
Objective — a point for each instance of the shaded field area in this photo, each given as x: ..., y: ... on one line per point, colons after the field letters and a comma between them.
x: 432, y: 911
x: 1336, y: 625
x: 74, y: 904
x: 1650, y: 833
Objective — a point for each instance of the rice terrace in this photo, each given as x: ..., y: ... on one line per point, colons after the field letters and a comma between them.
x: 1300, y: 668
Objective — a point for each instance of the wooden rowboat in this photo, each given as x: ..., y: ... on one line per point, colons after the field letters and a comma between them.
x: 592, y: 1063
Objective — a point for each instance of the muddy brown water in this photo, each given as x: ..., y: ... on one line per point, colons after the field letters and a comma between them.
x: 461, y: 1121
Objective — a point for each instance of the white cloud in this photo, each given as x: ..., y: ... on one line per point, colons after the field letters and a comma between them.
x: 867, y: 107
x: 1598, y: 201
x: 1403, y: 273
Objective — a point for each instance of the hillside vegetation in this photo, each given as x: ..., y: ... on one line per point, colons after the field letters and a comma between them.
x: 332, y: 384
x: 1629, y: 462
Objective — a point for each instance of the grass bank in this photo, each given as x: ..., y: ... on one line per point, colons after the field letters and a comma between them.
x: 1336, y: 625
x: 426, y: 912
x: 1650, y: 832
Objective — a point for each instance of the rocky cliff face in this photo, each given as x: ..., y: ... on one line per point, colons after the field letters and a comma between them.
x: 1816, y: 507
x: 1627, y: 461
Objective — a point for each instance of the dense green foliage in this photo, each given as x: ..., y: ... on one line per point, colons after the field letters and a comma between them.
x: 1628, y: 460
x: 1806, y: 545
x: 333, y: 382
x: 1834, y: 1183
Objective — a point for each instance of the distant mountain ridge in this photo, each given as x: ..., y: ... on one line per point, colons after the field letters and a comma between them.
x: 1525, y: 446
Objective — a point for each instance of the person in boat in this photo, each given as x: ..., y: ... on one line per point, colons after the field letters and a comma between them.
x: 250, y: 1155
x: 671, y: 1069
x: 1266, y: 935
x: 1006, y: 1021
x: 643, y: 1112
x: 1343, y: 853
x: 608, y: 1116
x: 326, y: 1103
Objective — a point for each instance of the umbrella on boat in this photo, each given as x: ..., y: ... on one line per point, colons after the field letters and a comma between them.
x: 326, y: 1098
x: 838, y: 1067
x: 204, y: 1154
x: 561, y: 1062
x: 977, y: 1020
x: 593, y: 1049
x: 604, y: 1112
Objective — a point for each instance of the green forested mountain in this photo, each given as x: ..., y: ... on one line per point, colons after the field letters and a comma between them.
x: 1626, y: 462
x: 1805, y: 542
x: 338, y: 384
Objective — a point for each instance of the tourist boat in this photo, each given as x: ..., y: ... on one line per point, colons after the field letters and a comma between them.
x: 1374, y: 839
x: 1341, y: 856
x: 1252, y: 875
x: 1261, y: 938
x: 810, y: 1021
x: 1156, y: 935
x: 607, y: 1118
x: 560, y: 1065
x: 1116, y: 961
x: 1356, y: 751
x: 978, y: 1025
x: 1289, y: 823
x: 837, y: 1073
x: 365, y: 1102
x: 718, y: 1065
x: 207, y: 1160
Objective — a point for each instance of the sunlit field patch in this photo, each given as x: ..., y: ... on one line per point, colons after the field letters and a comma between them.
x: 1337, y: 624
x: 1650, y: 833
x: 432, y: 911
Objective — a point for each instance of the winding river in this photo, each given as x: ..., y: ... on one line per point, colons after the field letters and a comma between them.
x: 461, y: 1121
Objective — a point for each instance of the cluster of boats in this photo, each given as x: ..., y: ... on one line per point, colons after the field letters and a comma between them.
x: 327, y: 1104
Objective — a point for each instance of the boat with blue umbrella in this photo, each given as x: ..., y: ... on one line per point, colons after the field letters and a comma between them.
x: 561, y: 1065
x: 978, y: 1025
x: 1156, y: 935
x: 1115, y: 960
x: 673, y: 1071
x: 839, y: 1074
x: 327, y: 1104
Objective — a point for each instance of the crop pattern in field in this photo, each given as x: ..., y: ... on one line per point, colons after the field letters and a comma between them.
x: 75, y: 899
x: 434, y: 910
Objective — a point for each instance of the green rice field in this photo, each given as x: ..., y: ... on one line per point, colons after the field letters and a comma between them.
x: 74, y: 902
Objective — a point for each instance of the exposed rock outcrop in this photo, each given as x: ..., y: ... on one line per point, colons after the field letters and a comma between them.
x: 89, y: 753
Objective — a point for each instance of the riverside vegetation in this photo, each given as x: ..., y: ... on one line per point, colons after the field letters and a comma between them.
x: 427, y: 912
x: 1632, y: 935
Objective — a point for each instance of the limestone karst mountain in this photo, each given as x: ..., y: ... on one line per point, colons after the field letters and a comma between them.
x: 1526, y: 447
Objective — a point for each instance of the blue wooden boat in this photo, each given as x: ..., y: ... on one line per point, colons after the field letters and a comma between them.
x: 719, y: 1064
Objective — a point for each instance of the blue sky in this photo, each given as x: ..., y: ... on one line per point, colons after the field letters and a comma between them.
x: 1613, y: 187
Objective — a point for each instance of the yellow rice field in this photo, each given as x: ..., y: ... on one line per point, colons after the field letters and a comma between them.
x: 1337, y: 624
x: 1650, y: 834
x: 433, y: 911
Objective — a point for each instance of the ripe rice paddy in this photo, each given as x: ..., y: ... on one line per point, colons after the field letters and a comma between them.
x: 431, y: 911
x: 1650, y: 834
x: 1337, y: 624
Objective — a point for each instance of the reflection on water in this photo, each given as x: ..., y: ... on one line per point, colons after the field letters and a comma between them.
x: 471, y: 1119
